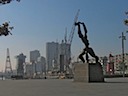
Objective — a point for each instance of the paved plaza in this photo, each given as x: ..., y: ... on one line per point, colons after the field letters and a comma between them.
x: 63, y: 87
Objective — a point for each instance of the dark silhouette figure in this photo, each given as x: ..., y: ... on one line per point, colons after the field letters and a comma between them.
x: 7, y: 1
x: 5, y: 29
x: 84, y: 39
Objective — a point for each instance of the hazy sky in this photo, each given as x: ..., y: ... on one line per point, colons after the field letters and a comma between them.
x: 39, y: 21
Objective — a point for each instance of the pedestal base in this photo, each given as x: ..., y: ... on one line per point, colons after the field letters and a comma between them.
x: 84, y: 72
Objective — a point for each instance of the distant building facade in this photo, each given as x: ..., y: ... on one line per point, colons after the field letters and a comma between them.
x: 20, y: 64
x: 57, y: 55
x: 64, y: 56
x: 118, y: 65
x: 51, y: 54
x: 35, y: 67
x: 113, y: 64
x: 34, y: 55
x: 41, y: 64
x: 28, y: 70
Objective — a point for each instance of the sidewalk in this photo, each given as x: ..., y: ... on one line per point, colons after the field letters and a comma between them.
x: 63, y: 87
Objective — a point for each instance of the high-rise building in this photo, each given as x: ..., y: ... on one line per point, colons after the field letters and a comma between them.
x: 55, y: 52
x: 64, y: 56
x: 41, y: 64
x: 28, y: 70
x: 34, y: 55
x: 51, y: 54
x: 20, y: 64
x: 34, y: 68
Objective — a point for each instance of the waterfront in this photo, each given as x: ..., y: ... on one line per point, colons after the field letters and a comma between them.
x: 63, y: 87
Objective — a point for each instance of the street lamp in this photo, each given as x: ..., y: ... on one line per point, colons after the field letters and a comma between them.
x: 123, y: 37
x: 123, y: 64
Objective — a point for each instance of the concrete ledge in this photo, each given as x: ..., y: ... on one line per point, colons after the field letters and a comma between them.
x: 84, y: 72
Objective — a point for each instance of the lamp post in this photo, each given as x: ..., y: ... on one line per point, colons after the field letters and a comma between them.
x: 123, y: 64
x: 123, y: 37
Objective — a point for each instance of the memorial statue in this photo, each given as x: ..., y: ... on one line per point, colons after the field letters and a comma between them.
x: 84, y: 39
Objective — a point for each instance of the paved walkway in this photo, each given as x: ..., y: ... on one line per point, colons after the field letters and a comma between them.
x: 56, y: 87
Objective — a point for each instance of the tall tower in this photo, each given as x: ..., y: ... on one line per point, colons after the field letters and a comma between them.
x: 51, y: 54
x: 8, y: 67
x: 20, y: 64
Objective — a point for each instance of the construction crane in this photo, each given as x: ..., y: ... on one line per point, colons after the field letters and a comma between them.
x: 73, y: 28
x: 3, y: 2
x: 69, y: 42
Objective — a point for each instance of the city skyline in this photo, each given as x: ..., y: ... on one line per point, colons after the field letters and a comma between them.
x: 41, y: 21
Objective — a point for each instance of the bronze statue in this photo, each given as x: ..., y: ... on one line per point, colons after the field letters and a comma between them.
x: 84, y: 39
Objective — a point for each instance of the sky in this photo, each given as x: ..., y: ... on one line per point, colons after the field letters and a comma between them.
x: 39, y: 21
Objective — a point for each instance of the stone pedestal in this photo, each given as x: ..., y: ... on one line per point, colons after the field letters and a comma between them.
x: 84, y: 72
x: 81, y: 72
